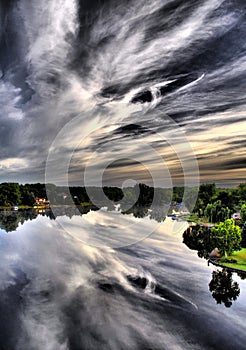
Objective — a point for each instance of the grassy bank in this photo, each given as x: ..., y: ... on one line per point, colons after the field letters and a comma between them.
x: 195, y: 218
x: 2, y: 207
x: 240, y: 256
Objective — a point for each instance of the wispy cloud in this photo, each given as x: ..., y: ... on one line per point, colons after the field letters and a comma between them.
x: 66, y: 62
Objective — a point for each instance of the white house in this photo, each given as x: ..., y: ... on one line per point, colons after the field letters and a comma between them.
x: 236, y: 216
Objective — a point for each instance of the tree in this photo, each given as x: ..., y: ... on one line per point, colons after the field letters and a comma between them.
x: 27, y: 198
x: 226, y: 236
x: 216, y: 212
x: 243, y: 243
x: 207, y: 192
x: 208, y: 212
x: 243, y: 212
x: 198, y: 238
x: 224, y: 197
x: 242, y: 192
x: 10, y: 193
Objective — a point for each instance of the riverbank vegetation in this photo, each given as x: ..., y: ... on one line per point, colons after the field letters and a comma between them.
x: 224, y: 242
x: 236, y: 260
x: 215, y: 204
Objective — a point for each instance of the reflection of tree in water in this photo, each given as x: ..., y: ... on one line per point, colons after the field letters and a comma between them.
x: 9, y: 221
x: 137, y: 211
x: 159, y: 213
x: 71, y: 211
x: 156, y: 213
x: 242, y: 275
x: 224, y: 289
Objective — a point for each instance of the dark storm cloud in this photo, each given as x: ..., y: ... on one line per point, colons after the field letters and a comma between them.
x: 58, y: 60
x: 236, y: 143
x: 122, y: 163
x: 239, y: 163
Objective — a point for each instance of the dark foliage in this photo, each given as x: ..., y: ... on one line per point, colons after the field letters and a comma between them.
x: 224, y: 289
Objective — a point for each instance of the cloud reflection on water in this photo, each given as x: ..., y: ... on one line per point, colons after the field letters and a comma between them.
x: 68, y: 295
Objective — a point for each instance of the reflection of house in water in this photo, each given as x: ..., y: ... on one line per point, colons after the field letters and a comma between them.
x: 40, y: 211
x: 41, y: 203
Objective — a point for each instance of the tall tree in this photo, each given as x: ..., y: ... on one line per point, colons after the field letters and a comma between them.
x: 243, y: 243
x: 226, y: 236
x: 10, y: 193
x: 243, y: 212
x: 216, y: 212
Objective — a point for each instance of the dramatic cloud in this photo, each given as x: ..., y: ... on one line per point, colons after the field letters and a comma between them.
x: 165, y: 68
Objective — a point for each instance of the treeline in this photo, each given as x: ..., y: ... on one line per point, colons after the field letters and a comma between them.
x: 214, y: 203
x: 14, y: 193
x: 218, y: 204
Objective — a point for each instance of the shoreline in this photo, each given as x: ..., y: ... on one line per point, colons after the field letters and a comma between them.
x: 233, y: 269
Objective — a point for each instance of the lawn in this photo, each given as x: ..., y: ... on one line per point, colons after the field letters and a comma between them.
x: 240, y: 256
x: 2, y: 207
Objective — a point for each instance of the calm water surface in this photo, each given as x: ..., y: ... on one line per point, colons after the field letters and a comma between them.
x: 58, y: 292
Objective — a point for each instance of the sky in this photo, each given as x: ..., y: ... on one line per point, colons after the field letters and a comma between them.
x: 108, y: 92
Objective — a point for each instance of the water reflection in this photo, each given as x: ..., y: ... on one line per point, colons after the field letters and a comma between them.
x: 157, y: 213
x: 10, y: 220
x: 223, y: 288
x: 58, y: 293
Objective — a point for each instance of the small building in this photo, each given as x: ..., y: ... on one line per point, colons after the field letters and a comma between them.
x: 214, y: 254
x: 236, y: 216
x: 41, y: 203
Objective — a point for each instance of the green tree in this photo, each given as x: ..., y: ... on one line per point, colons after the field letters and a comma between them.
x: 207, y: 192
x: 243, y: 213
x: 27, y: 198
x: 10, y: 193
x: 199, y: 207
x: 198, y: 238
x: 216, y: 212
x: 243, y: 243
x: 242, y: 192
x: 208, y: 212
x: 226, y: 236
x: 206, y: 195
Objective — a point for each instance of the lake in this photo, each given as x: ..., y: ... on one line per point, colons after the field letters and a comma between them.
x: 104, y: 280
